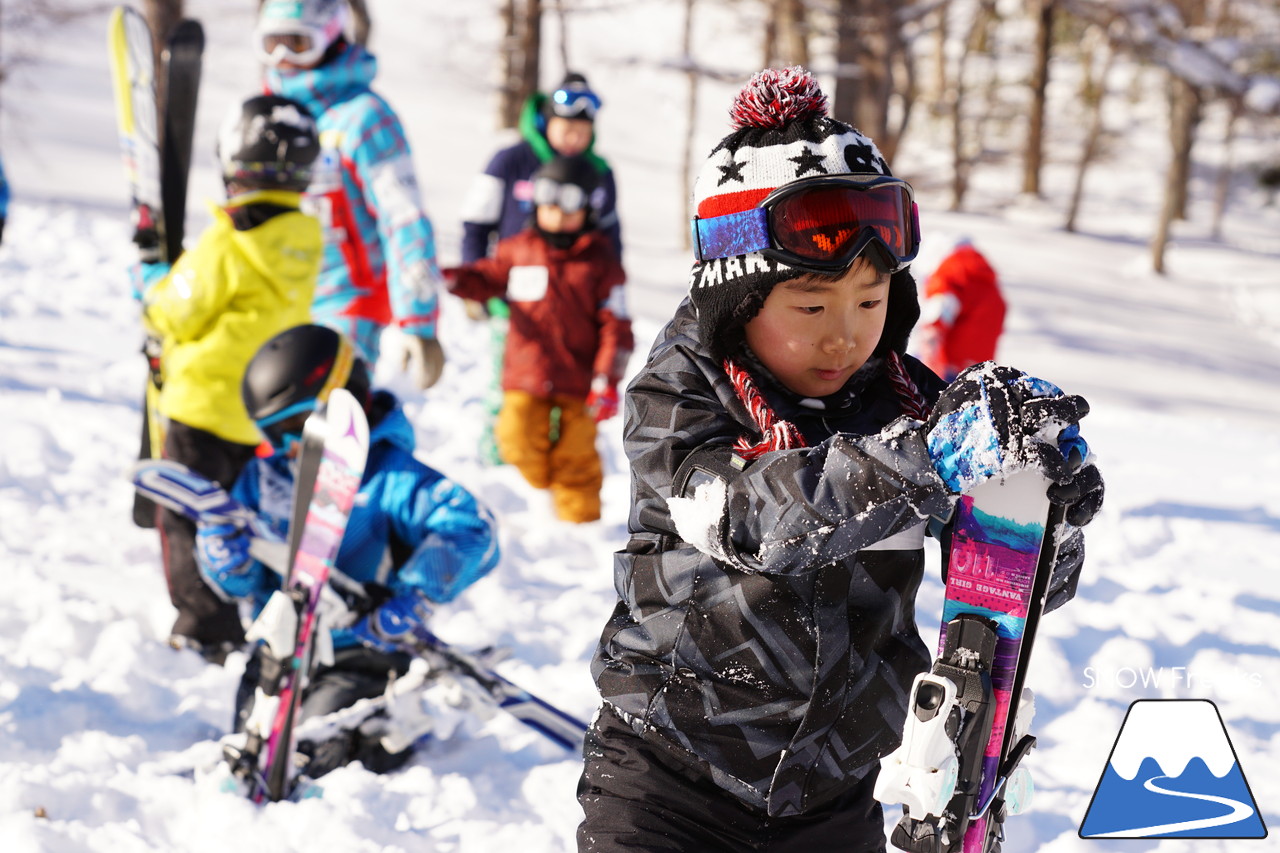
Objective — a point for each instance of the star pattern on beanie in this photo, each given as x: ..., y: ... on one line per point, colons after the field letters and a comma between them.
x: 808, y: 161
x: 731, y: 172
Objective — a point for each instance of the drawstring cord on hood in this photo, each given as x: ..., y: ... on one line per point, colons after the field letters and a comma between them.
x: 779, y: 434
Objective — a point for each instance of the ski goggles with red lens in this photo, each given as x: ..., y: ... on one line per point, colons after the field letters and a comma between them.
x: 820, y: 224
x: 570, y: 198
x: 575, y: 103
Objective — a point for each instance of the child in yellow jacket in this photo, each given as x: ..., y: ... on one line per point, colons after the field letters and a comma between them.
x: 251, y: 275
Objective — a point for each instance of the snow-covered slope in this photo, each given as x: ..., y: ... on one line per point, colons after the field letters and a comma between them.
x: 97, y: 714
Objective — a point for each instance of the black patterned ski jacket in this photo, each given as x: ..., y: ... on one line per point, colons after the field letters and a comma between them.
x: 771, y: 644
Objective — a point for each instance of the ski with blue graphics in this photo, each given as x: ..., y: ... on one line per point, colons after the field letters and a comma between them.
x: 200, y: 499
x: 958, y: 773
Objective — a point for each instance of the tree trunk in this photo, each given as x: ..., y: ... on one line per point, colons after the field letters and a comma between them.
x: 1033, y: 158
x: 361, y: 21
x: 521, y: 57
x: 562, y: 19
x: 1222, y: 190
x: 961, y: 159
x: 1094, y: 94
x: 786, y: 35
x: 1186, y: 112
x: 162, y: 16
x: 1183, y: 116
x: 848, y: 73
x: 531, y: 48
x: 939, y: 98
x: 686, y: 160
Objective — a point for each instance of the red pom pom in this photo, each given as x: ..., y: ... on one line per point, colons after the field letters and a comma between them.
x: 776, y: 97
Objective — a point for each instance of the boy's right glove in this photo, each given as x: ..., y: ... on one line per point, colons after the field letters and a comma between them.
x: 995, y: 420
x: 222, y: 552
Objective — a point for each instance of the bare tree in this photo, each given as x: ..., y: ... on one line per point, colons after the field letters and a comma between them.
x: 520, y: 57
x: 963, y: 150
x: 361, y: 22
x: 686, y: 159
x: 875, y: 68
x: 162, y: 16
x: 562, y: 19
x: 786, y: 34
x: 1033, y: 156
x: 1093, y: 93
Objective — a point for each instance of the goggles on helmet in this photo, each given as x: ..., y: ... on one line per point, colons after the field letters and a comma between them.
x: 285, y: 432
x: 570, y: 198
x: 820, y: 224
x: 284, y: 428
x: 575, y: 103
x: 295, y: 42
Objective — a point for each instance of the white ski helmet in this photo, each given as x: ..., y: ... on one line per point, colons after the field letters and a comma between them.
x: 298, y: 31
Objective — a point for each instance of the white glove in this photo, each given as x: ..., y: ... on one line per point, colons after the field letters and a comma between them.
x: 422, y: 359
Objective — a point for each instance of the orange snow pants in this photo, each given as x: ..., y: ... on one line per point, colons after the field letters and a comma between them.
x: 566, y: 463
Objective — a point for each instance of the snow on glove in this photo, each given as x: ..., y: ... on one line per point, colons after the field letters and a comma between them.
x: 423, y: 360
x: 222, y: 552
x: 995, y: 420
x: 602, y: 401
x: 389, y: 626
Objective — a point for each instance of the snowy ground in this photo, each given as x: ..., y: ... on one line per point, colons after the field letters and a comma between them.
x: 1179, y: 600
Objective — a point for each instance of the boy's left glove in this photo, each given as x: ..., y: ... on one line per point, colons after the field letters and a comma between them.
x: 602, y: 401
x: 423, y: 360
x: 389, y: 626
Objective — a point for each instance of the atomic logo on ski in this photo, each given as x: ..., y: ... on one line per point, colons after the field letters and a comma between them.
x: 1173, y: 773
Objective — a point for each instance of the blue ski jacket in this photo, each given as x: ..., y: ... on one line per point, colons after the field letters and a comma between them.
x: 412, y: 529
x: 380, y: 254
x: 4, y: 193
x: 500, y: 202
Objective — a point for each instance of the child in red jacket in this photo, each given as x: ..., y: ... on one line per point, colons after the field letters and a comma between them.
x: 963, y: 312
x: 569, y: 338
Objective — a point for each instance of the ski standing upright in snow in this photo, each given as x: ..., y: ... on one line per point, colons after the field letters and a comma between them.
x: 155, y: 144
x: 335, y: 444
x: 958, y: 772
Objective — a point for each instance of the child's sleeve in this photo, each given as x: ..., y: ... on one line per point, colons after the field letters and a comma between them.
x: 384, y: 166
x: 614, y: 322
x: 454, y: 536
x: 183, y: 305
x: 482, y: 279
x: 789, y: 511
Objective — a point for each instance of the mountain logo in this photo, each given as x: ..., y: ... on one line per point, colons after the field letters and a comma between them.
x: 1173, y: 773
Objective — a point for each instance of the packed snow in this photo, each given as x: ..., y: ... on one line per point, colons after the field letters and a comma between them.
x: 99, y: 717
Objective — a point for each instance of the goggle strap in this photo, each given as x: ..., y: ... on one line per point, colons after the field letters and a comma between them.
x: 286, y: 413
x: 732, y: 234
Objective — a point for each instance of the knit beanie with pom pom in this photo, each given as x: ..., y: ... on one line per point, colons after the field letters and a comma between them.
x: 781, y: 133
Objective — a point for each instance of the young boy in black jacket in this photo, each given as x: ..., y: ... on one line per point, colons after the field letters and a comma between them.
x: 760, y: 657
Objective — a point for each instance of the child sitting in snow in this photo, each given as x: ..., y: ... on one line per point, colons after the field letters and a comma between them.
x: 569, y: 338
x: 760, y: 658
x: 252, y: 274
x: 413, y: 535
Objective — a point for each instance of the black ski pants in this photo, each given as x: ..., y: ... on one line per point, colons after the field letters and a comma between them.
x: 202, y: 615
x: 637, y: 798
x: 357, y: 673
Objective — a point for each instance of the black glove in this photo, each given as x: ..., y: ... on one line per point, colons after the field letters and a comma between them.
x: 1081, y: 495
x: 995, y: 420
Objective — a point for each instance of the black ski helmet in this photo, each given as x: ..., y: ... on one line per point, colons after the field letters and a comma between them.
x: 268, y: 142
x: 293, y: 373
x: 576, y: 171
